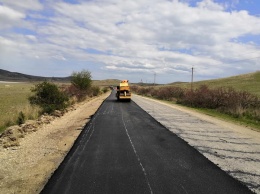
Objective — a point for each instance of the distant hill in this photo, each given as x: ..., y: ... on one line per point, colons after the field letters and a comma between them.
x: 106, y: 82
x: 246, y: 82
x: 174, y: 83
x: 19, y: 77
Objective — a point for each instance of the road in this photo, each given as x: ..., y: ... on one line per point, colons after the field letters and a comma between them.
x: 235, y: 149
x: 125, y: 150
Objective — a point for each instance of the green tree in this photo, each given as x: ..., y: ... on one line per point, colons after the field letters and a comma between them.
x: 48, y: 97
x: 81, y: 80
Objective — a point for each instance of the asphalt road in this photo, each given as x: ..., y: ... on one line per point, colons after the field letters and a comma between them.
x: 124, y: 150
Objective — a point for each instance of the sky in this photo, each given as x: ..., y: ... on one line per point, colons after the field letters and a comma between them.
x: 138, y: 40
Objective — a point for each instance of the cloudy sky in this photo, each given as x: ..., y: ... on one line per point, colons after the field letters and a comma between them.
x: 131, y: 39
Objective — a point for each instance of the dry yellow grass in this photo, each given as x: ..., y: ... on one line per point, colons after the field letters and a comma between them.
x: 14, y: 99
x: 107, y: 82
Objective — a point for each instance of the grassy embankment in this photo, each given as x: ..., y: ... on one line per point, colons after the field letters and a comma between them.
x: 14, y: 99
x: 248, y: 82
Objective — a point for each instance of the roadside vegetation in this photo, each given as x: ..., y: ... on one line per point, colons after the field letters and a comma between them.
x: 14, y: 100
x: 224, y: 102
x: 48, y: 97
x: 246, y: 82
x: 27, y: 101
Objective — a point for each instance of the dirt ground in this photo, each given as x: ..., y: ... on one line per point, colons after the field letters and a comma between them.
x: 26, y: 168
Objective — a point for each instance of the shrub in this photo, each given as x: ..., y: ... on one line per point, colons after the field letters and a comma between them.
x: 239, y: 104
x: 81, y: 80
x: 145, y: 91
x: 81, y: 85
x: 168, y: 93
x: 94, y: 91
x: 21, y: 118
x: 73, y: 91
x: 105, y: 89
x: 48, y: 97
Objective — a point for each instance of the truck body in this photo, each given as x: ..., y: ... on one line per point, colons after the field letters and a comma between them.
x: 123, y: 91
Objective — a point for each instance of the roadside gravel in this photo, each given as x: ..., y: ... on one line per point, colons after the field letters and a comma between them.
x: 26, y: 168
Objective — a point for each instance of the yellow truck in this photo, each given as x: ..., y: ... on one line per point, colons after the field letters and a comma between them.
x: 123, y: 91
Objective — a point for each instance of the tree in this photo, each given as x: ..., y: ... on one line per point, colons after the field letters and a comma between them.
x: 81, y: 80
x: 48, y: 97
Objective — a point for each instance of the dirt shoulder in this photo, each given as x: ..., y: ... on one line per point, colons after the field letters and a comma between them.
x: 27, y: 167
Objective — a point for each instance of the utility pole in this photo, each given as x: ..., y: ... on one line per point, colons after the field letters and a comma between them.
x: 154, y: 78
x: 191, y: 86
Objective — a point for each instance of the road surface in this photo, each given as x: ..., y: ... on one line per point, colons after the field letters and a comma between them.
x: 125, y: 150
x: 235, y: 149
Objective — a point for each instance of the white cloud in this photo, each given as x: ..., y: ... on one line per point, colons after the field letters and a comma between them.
x: 138, y: 36
x: 24, y: 4
x: 210, y: 5
x: 9, y: 17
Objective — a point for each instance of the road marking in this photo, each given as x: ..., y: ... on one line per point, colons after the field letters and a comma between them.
x: 145, y: 175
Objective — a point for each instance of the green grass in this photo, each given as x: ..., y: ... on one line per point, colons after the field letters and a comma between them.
x: 14, y: 99
x: 240, y: 121
x: 247, y: 82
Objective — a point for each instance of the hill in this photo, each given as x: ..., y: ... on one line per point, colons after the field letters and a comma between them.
x: 245, y: 82
x: 106, y: 82
x: 19, y: 77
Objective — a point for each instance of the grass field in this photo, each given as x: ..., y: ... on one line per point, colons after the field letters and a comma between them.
x: 247, y: 82
x: 14, y: 99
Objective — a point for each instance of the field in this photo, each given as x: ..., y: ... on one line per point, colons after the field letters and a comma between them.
x: 246, y: 82
x: 14, y: 99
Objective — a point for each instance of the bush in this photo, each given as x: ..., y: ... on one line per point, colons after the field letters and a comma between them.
x: 94, y: 91
x: 48, y: 97
x: 105, y: 89
x: 81, y: 85
x: 81, y: 80
x: 73, y: 91
x: 239, y: 104
x: 21, y: 118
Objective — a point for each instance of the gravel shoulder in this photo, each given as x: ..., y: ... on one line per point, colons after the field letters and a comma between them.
x: 26, y: 168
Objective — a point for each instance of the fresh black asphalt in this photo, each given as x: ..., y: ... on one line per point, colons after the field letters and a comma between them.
x: 124, y: 150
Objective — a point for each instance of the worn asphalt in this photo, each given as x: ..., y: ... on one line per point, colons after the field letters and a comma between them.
x: 125, y: 150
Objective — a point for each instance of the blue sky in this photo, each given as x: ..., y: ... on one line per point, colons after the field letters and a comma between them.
x: 123, y: 39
